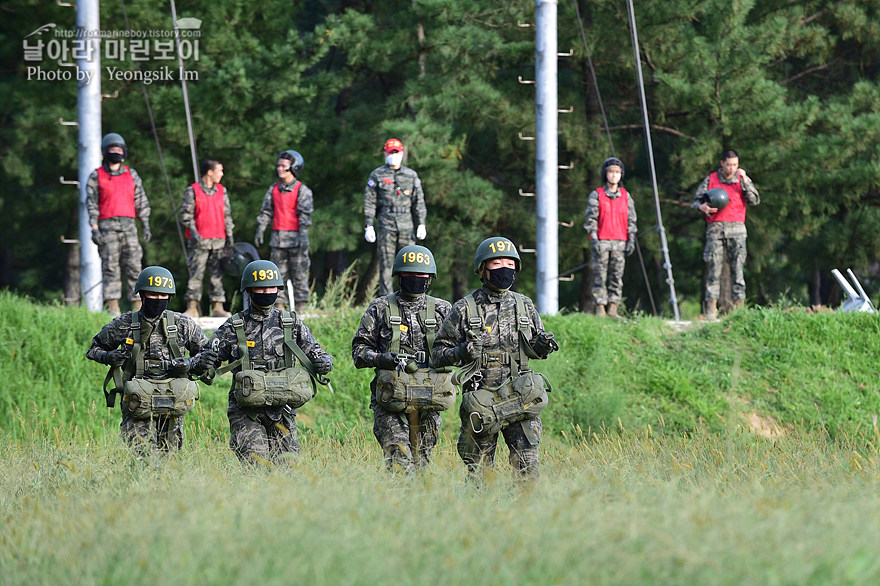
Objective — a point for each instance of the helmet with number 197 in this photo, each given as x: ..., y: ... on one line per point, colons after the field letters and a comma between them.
x: 495, y: 247
x: 261, y: 273
x: 155, y: 279
x: 414, y: 259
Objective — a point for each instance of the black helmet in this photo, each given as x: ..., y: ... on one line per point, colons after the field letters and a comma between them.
x: 414, y: 259
x: 261, y: 273
x: 155, y: 279
x: 296, y: 161
x: 608, y: 162
x: 113, y: 139
x: 495, y: 247
x: 717, y: 198
x: 242, y: 254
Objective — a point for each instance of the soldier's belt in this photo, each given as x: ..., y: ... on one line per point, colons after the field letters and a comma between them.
x: 495, y: 360
x: 395, y: 209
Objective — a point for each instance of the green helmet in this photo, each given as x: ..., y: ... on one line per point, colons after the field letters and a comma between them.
x: 113, y: 139
x: 717, y: 198
x: 261, y: 273
x: 155, y: 279
x: 414, y: 259
x: 495, y: 247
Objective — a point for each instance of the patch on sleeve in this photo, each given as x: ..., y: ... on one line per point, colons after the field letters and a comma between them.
x: 370, y: 183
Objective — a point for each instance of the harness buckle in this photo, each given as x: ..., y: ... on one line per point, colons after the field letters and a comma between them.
x: 431, y: 322
x: 171, y: 328
x: 395, y: 320
x: 287, y: 322
x: 421, y: 356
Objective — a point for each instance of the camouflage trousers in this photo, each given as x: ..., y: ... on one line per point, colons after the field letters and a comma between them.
x: 479, y: 452
x: 208, y: 255
x: 388, y: 242
x: 120, y: 251
x: 263, y: 435
x: 148, y: 436
x: 606, y: 263
x: 392, y: 432
x: 294, y: 264
x: 718, y: 246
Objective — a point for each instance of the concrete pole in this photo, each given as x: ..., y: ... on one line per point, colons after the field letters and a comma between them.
x: 88, y: 112
x: 546, y: 156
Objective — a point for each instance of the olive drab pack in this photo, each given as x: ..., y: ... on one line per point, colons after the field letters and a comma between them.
x: 488, y: 410
x: 412, y: 388
x: 288, y: 385
x: 145, y: 398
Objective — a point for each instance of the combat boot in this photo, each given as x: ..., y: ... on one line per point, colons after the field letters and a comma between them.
x: 218, y: 310
x: 738, y: 304
x: 192, y: 308
x: 711, y: 309
x: 113, y: 307
x: 136, y: 305
x: 612, y: 310
x: 600, y: 310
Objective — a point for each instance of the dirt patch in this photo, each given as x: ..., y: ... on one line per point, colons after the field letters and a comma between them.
x: 763, y: 426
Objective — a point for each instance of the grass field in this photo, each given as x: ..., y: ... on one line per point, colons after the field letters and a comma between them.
x: 653, y: 469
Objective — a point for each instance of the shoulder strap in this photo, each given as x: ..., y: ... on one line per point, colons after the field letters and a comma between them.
x: 168, y: 323
x: 394, y: 321
x: 475, y: 325
x: 523, y: 326
x: 135, y: 365
x: 428, y: 317
x: 290, y: 346
x: 243, y: 356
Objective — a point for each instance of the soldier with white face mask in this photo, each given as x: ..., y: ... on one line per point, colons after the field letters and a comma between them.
x: 394, y: 208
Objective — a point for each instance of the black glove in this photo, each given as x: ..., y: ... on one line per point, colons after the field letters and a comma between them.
x: 258, y: 238
x: 323, y: 364
x: 386, y: 361
x: 630, y: 245
x: 545, y: 344
x: 97, y: 238
x: 147, y: 234
x: 202, y: 361
x: 114, y: 357
x: 471, y: 350
x: 179, y: 367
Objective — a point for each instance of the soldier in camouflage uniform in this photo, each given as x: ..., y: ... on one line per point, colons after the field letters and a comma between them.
x: 114, y: 344
x: 611, y: 223
x: 370, y: 348
x: 264, y: 434
x: 496, y: 351
x: 726, y: 230
x: 114, y: 197
x: 207, y: 216
x: 394, y: 204
x: 288, y: 206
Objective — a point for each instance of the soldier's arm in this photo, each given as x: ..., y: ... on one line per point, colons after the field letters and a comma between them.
x: 226, y: 341
x: 700, y: 195
x: 227, y: 213
x: 367, y: 342
x: 591, y: 216
x: 141, y: 204
x: 631, y: 227
x: 267, y: 210
x: 451, y: 334
x: 420, y: 211
x: 305, y: 340
x: 305, y: 205
x: 193, y: 336
x: 188, y: 208
x: 111, y: 337
x: 750, y: 193
x: 92, y: 198
x: 370, y: 196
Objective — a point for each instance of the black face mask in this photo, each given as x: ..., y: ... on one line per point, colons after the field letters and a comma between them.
x: 412, y: 285
x: 501, y: 278
x: 264, y: 300
x: 115, y: 157
x: 154, y: 307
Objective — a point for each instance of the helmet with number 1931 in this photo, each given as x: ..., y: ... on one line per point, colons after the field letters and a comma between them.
x: 261, y: 273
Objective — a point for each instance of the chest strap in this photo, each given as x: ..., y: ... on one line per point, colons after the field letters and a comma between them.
x: 394, y: 320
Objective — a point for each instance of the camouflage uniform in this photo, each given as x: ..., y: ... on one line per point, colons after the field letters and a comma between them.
x: 263, y: 433
x: 289, y: 249
x: 500, y: 338
x: 372, y: 338
x: 608, y: 257
x: 121, y: 246
x: 161, y: 432
x: 726, y: 238
x: 394, y: 200
x: 206, y: 253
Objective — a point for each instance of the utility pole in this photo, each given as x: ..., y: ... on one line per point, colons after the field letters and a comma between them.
x: 547, y: 156
x: 88, y: 111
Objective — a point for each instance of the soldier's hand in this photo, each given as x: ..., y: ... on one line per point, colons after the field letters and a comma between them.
x: 148, y: 235
x: 630, y: 245
x: 115, y: 357
x: 470, y: 350
x: 421, y: 232
x: 179, y: 367
x: 707, y: 209
x: 97, y: 238
x: 323, y: 364
x: 258, y: 238
x: 204, y: 360
x: 545, y: 344
x: 370, y: 234
x: 386, y: 361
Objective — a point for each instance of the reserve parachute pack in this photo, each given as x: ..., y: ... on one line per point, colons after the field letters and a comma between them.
x: 410, y: 388
x: 290, y: 385
x: 145, y: 398
x: 488, y: 410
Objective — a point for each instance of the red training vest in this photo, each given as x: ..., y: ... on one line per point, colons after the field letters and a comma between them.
x: 613, y: 215
x: 284, y: 216
x: 210, y: 212
x: 735, y: 210
x: 115, y: 194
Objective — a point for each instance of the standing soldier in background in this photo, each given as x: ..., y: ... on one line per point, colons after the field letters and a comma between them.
x: 288, y: 205
x: 263, y: 344
x: 492, y: 333
x: 395, y: 337
x: 144, y: 350
x: 611, y: 223
x: 726, y: 229
x: 395, y: 203
x: 207, y: 216
x: 114, y: 197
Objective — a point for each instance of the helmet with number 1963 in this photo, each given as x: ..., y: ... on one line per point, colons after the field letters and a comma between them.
x: 155, y: 279
x: 495, y: 247
x: 261, y: 273
x: 414, y: 259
